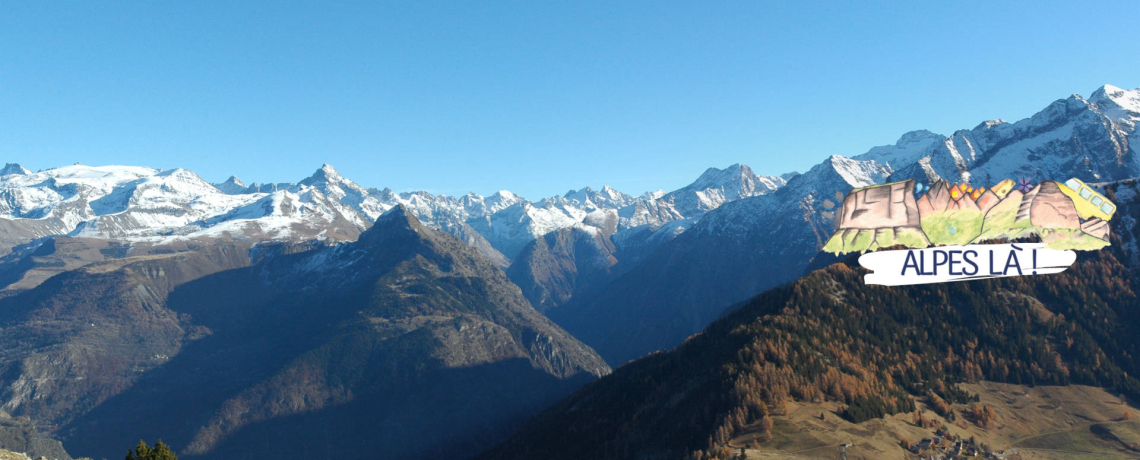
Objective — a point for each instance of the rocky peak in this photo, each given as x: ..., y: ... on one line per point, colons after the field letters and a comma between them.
x: 500, y: 200
x: 858, y: 173
x: 325, y: 175
x: 232, y: 186
x: 1107, y: 93
x: 916, y: 136
x: 714, y: 178
x: 14, y: 168
x: 1117, y: 103
x: 399, y: 217
x: 988, y: 124
x: 397, y: 224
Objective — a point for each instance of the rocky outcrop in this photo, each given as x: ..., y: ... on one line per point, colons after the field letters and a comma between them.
x: 876, y: 217
x: 1046, y: 207
x: 888, y: 205
x: 1096, y: 227
x: 20, y: 435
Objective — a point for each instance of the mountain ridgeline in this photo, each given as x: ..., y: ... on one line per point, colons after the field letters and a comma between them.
x: 406, y: 343
x: 874, y: 350
x: 746, y: 246
x: 309, y: 319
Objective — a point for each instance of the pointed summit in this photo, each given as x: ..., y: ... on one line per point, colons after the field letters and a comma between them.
x: 232, y: 186
x: 733, y: 176
x: 327, y: 174
x: 1105, y: 92
x: 13, y: 168
x: 396, y: 228
x: 399, y: 217
x: 500, y: 200
x: 1110, y: 97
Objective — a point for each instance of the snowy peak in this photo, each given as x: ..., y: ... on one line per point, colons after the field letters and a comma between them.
x: 858, y: 173
x: 989, y: 124
x: 1090, y: 139
x: 921, y: 135
x: 909, y: 148
x: 14, y: 169
x: 591, y: 200
x: 505, y: 196
x: 327, y: 174
x: 718, y: 186
x: 1118, y: 104
x: 1109, y: 93
x: 714, y: 178
x: 232, y: 186
x: 501, y: 200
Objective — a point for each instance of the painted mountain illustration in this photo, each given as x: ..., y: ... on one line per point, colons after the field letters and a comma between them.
x: 1069, y: 215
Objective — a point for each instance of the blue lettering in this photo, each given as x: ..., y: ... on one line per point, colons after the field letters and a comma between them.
x: 953, y: 262
x: 911, y: 262
x: 1012, y: 262
x: 966, y: 257
x: 937, y: 263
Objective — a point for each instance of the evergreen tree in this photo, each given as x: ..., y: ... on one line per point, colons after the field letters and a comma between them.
x: 161, y: 451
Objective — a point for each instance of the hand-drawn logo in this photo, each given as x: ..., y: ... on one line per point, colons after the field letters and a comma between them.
x: 1065, y: 216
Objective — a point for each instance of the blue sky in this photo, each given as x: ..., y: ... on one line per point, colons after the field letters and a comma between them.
x: 535, y: 97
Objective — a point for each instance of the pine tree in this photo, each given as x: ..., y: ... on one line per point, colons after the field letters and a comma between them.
x: 161, y: 451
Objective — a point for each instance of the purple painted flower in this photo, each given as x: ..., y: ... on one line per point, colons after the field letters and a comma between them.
x: 1024, y: 185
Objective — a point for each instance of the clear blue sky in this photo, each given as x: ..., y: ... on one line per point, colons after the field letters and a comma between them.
x: 535, y: 97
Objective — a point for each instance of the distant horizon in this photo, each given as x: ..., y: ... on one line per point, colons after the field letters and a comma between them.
x: 535, y: 99
x: 694, y: 177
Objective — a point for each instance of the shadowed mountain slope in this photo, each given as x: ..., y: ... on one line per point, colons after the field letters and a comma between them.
x: 407, y: 343
x: 873, y: 349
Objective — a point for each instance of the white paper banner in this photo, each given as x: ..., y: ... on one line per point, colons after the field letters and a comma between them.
x: 960, y: 263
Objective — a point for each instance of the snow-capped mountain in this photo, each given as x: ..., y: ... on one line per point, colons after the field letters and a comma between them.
x: 1087, y: 138
x: 733, y: 252
x: 751, y: 244
x: 152, y: 206
x: 1074, y: 137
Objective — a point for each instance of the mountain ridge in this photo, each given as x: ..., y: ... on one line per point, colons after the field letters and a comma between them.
x: 756, y: 243
x: 237, y: 350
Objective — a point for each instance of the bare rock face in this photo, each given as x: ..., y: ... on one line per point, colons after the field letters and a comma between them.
x: 1096, y: 227
x: 20, y: 435
x: 881, y: 206
x: 1049, y: 208
x: 987, y: 201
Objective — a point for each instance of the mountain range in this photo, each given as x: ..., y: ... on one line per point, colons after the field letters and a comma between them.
x: 147, y: 207
x: 749, y: 245
x: 406, y: 336
x: 279, y: 320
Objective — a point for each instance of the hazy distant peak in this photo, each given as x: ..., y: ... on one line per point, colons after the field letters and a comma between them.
x: 14, y: 168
